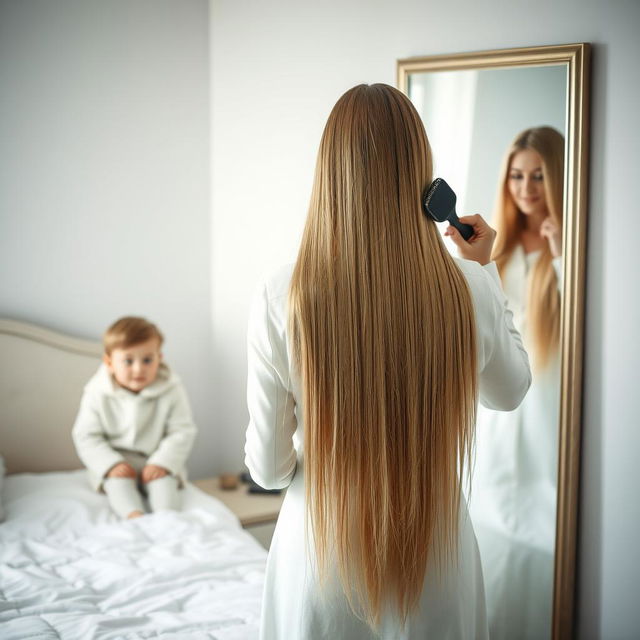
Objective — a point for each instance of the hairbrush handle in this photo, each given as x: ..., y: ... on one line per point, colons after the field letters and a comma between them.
x: 466, y: 230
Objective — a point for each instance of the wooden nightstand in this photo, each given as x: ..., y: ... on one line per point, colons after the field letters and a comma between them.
x: 257, y: 512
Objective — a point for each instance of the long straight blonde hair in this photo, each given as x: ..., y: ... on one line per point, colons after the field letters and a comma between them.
x: 383, y: 332
x: 543, y: 298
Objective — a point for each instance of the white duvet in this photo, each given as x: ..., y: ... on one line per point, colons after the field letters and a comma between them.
x: 69, y: 568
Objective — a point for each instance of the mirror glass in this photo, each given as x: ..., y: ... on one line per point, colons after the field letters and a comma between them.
x: 472, y: 117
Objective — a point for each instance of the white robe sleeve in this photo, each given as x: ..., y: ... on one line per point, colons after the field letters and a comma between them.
x: 90, y: 440
x: 270, y: 455
x: 557, y: 266
x: 506, y: 375
x: 180, y: 432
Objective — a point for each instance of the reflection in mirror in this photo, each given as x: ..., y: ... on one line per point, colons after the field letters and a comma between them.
x: 514, y: 485
x: 498, y: 138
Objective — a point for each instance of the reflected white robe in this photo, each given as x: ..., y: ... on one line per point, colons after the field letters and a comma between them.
x: 452, y: 606
x: 513, y: 495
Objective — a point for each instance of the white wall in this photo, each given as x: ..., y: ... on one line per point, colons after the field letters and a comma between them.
x: 104, y: 175
x: 278, y: 68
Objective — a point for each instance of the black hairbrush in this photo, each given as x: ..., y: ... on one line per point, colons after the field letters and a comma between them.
x: 439, y: 201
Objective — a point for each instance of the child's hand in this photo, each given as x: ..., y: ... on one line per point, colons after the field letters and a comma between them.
x: 121, y: 470
x: 152, y: 472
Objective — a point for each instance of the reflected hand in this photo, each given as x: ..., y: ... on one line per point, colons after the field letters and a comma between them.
x: 152, y: 472
x: 550, y: 230
x: 480, y: 245
x: 121, y: 470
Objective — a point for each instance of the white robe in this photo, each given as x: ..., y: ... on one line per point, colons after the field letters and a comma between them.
x: 294, y: 607
x: 513, y: 491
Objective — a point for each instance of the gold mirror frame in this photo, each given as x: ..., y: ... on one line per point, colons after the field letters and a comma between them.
x: 576, y: 57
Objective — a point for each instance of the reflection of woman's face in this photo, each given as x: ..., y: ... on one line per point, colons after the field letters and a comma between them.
x: 526, y: 182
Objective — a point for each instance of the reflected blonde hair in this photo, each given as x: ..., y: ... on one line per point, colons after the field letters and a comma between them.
x: 543, y: 298
x: 383, y: 332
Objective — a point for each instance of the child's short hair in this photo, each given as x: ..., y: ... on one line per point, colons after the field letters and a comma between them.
x: 129, y: 331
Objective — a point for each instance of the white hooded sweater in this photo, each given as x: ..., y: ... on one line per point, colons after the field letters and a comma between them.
x: 156, y: 422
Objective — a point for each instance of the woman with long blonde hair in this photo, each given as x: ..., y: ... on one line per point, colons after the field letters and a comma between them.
x: 513, y: 502
x: 528, y: 221
x: 366, y: 361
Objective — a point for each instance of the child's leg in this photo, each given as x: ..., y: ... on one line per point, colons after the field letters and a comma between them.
x: 123, y: 496
x: 163, y: 493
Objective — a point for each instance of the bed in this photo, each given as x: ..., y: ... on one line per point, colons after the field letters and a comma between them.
x: 69, y: 568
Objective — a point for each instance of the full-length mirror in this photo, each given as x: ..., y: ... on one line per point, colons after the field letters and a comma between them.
x: 508, y: 130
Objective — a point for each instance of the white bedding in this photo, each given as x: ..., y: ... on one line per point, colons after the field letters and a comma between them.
x: 69, y: 568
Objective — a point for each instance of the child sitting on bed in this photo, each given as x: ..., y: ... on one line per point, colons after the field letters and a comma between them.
x: 134, y: 429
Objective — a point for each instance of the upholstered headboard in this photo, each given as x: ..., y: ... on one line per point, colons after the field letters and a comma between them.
x: 42, y: 375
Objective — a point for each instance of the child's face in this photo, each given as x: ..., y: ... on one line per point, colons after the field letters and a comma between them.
x: 135, y: 367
